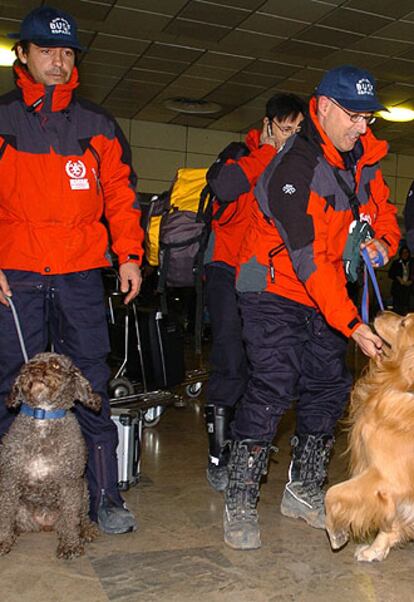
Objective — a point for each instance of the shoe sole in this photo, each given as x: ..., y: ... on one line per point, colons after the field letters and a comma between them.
x: 117, y: 531
x: 244, y: 547
x: 296, y: 515
x: 220, y: 487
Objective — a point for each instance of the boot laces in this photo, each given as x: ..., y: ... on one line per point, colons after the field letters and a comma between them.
x: 246, y: 468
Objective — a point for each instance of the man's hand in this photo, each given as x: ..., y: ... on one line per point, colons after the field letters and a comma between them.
x: 376, y: 247
x: 4, y: 289
x: 130, y: 277
x: 369, y: 343
x: 265, y: 138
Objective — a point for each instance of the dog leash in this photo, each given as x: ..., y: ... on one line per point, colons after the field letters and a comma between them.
x: 18, y: 329
x: 370, y: 273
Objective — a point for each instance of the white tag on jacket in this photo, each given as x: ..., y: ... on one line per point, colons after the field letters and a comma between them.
x: 81, y: 184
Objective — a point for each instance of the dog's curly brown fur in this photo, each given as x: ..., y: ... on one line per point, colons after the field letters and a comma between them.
x: 378, y: 500
x: 42, y: 462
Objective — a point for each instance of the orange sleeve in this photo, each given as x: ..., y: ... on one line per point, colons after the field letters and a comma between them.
x: 118, y: 182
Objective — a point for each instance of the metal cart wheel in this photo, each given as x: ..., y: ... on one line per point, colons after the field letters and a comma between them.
x: 152, y: 416
x: 120, y: 387
x: 194, y: 389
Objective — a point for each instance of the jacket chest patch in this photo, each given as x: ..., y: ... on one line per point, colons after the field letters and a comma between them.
x: 76, y: 170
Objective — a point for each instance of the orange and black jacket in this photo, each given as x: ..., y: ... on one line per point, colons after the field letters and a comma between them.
x: 229, y: 229
x: 302, y: 257
x: 64, y: 165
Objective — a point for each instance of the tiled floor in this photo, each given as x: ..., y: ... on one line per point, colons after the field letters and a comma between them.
x: 178, y: 552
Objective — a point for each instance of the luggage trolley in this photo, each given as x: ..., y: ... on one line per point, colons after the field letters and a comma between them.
x: 147, y: 354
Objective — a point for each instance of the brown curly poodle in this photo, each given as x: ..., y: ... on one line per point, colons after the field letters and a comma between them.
x: 43, y: 457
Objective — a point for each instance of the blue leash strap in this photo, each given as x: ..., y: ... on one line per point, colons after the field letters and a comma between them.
x: 369, y: 273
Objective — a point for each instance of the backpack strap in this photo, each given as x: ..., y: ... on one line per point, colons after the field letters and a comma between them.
x: 352, y: 197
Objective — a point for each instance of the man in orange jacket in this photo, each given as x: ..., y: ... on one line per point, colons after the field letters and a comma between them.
x: 315, y: 196
x: 64, y: 163
x: 228, y: 375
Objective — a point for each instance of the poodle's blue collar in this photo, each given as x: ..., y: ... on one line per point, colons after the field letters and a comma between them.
x: 40, y: 414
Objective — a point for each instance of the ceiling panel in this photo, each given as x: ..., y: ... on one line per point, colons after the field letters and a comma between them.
x: 213, y: 13
x: 197, y: 30
x: 320, y: 34
x: 355, y: 20
x: 118, y: 43
x: 275, y: 26
x: 233, y: 52
x: 304, y: 10
x: 388, y: 8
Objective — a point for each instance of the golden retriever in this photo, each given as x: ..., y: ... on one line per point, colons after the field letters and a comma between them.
x: 377, y: 502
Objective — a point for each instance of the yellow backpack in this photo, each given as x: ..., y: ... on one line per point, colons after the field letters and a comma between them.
x: 178, y: 228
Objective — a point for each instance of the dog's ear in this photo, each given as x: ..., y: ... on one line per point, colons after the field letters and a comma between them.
x: 15, y: 397
x: 407, y: 367
x: 83, y: 391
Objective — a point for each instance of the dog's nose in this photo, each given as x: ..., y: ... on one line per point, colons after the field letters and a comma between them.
x: 37, y: 388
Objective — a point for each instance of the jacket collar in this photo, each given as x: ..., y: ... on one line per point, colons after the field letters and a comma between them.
x: 373, y: 149
x: 35, y: 94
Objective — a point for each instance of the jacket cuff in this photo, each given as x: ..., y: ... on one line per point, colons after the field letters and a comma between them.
x: 353, y: 325
x: 131, y: 258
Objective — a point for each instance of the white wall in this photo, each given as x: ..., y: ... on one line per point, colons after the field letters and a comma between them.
x: 158, y: 150
x: 398, y: 171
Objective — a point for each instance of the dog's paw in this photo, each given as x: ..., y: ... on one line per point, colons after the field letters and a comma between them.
x: 370, y: 553
x: 67, y: 552
x: 338, y: 539
x: 89, y: 532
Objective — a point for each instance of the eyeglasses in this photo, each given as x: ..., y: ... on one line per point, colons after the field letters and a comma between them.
x: 356, y: 117
x: 287, y: 130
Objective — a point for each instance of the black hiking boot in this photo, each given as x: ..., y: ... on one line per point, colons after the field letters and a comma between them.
x: 248, y: 462
x: 304, y: 496
x: 218, y: 419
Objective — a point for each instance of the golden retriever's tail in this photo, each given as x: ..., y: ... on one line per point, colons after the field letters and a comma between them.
x: 361, y: 505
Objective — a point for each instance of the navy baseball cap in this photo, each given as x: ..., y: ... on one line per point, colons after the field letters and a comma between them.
x: 352, y: 88
x: 50, y: 28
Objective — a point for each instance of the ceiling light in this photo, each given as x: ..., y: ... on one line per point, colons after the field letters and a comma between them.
x: 7, y: 57
x: 192, y: 105
x: 397, y: 114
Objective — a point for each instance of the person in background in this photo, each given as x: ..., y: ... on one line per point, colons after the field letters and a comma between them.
x: 401, y: 273
x: 325, y: 188
x: 64, y: 164
x: 408, y: 214
x: 240, y: 162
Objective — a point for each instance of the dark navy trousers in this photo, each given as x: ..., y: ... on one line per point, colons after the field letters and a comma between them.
x: 228, y: 374
x: 294, y: 355
x: 68, y: 311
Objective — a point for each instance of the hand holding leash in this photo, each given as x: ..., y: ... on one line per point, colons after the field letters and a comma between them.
x: 377, y: 251
x: 369, y: 343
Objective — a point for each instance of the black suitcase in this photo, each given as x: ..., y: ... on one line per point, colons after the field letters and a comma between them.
x: 154, y: 344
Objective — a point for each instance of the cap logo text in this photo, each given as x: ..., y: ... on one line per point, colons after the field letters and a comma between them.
x: 59, y: 25
x: 364, y: 87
